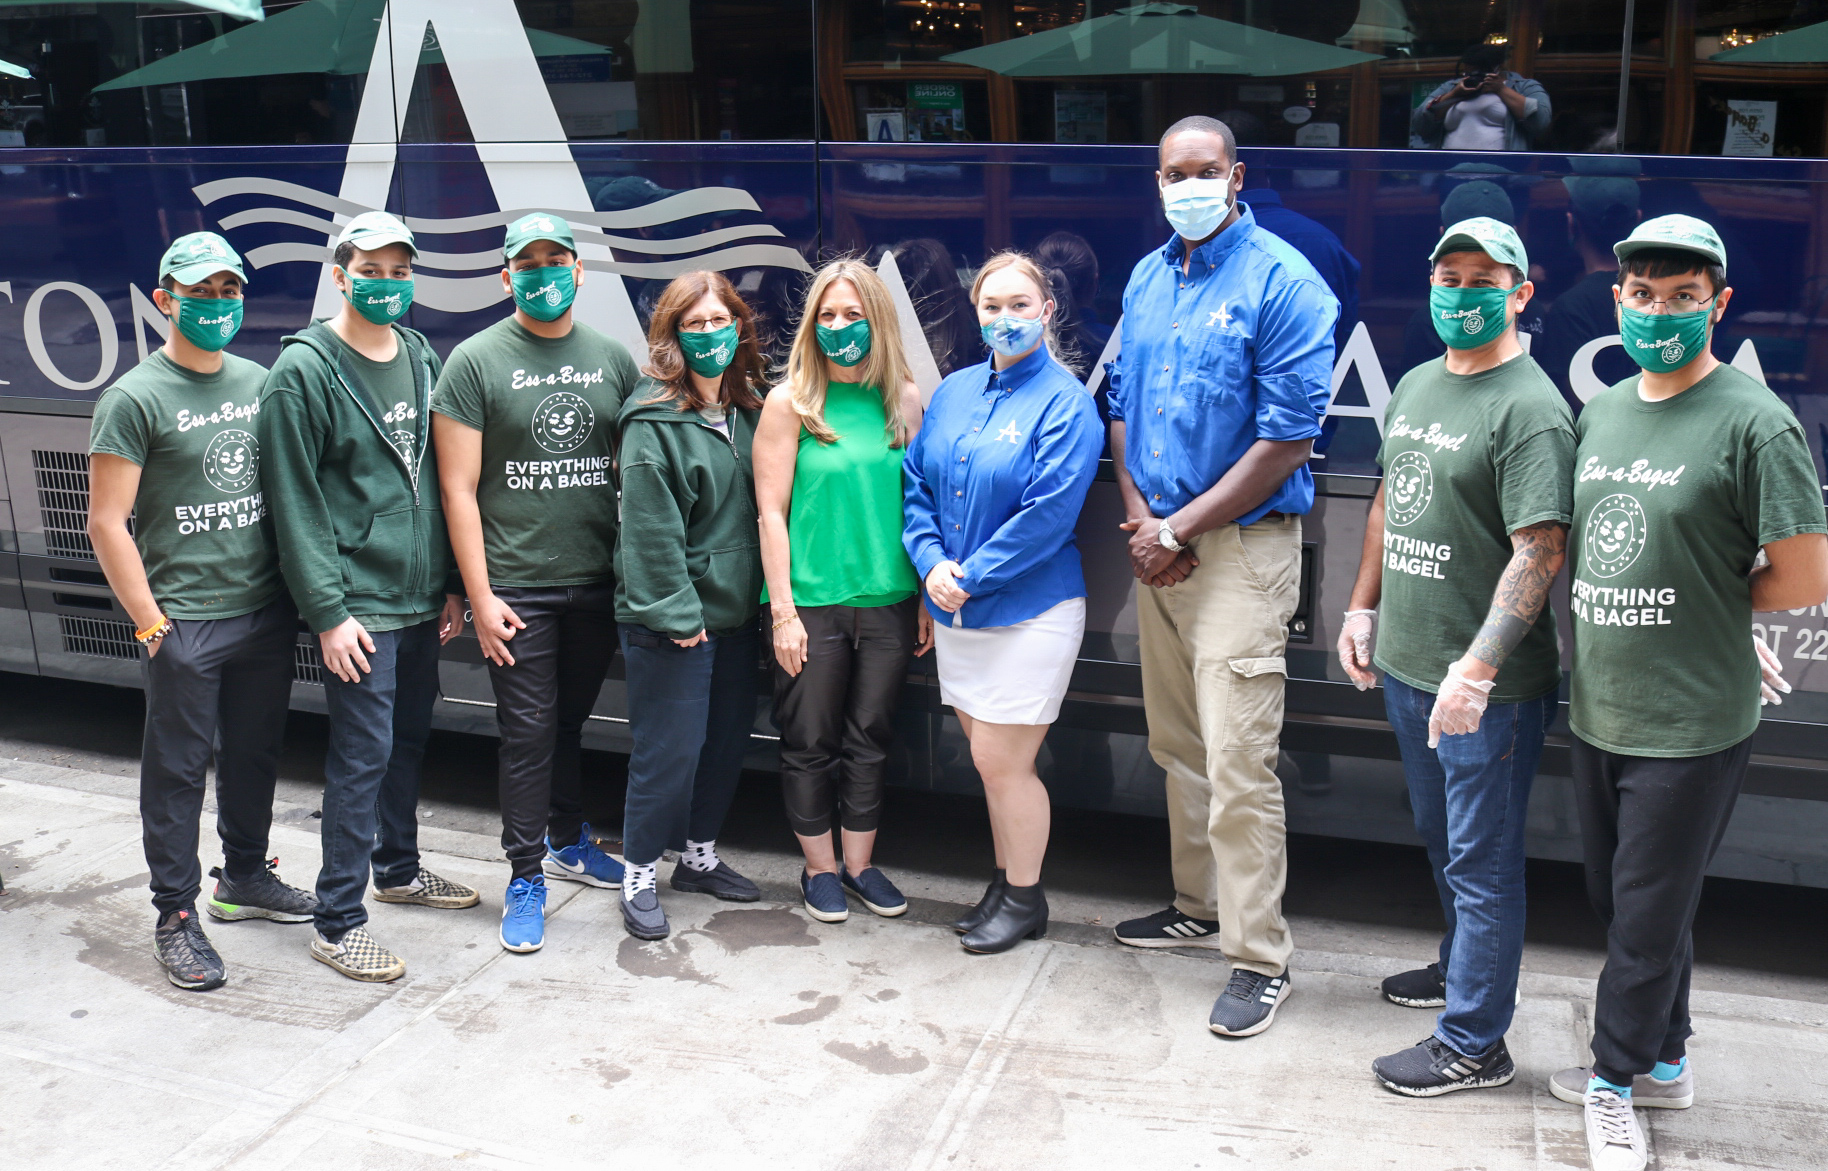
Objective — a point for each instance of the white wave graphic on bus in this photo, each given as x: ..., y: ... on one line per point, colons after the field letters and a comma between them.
x: 719, y: 248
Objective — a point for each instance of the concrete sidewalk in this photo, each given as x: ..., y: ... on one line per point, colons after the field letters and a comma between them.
x: 756, y: 1037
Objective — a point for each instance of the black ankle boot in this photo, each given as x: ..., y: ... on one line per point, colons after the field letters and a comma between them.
x: 1021, y: 914
x: 986, y: 906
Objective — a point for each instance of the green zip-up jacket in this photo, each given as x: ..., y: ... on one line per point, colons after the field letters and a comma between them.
x: 689, y: 557
x: 353, y: 493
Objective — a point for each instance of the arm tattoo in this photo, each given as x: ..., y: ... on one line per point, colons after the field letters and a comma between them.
x: 1522, y: 591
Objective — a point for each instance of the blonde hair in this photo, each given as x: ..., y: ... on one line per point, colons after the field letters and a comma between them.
x: 1025, y: 264
x: 885, y: 367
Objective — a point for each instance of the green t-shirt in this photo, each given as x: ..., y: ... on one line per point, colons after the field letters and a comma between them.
x: 546, y: 408
x: 200, y: 520
x: 1672, y: 501
x: 1468, y: 460
x: 844, y: 526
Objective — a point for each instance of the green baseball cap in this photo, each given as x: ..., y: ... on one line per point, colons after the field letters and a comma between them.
x: 1484, y: 234
x: 199, y: 256
x: 537, y: 226
x: 1682, y: 232
x: 377, y: 229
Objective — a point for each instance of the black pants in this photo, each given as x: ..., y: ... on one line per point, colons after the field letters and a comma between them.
x: 1649, y: 828
x: 541, y: 703
x: 690, y: 711
x: 837, y: 716
x: 216, y: 687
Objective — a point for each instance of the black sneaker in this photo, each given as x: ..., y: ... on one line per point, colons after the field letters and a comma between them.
x: 1421, y: 988
x: 1249, y: 1003
x: 1432, y: 1068
x: 1168, y: 928
x: 263, y: 896
x: 723, y: 882
x: 190, y: 962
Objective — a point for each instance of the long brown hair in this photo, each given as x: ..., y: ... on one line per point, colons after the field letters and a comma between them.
x: 666, y: 364
x: 885, y: 368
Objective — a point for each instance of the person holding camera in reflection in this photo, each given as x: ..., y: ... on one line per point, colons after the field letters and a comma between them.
x: 842, y: 594
x: 996, y: 479
x: 1487, y: 107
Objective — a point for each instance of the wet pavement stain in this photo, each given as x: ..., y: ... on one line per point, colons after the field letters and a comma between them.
x: 608, y: 1072
x: 18, y: 898
x: 742, y: 930
x: 806, y: 1016
x: 877, y: 1057
x: 886, y: 994
x: 668, y: 959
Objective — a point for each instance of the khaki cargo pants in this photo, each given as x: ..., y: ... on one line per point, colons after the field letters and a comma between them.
x: 1213, y: 672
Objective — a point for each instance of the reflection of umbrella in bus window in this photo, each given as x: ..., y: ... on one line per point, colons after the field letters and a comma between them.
x: 320, y: 36
x: 1796, y: 47
x: 1157, y: 38
x: 239, y: 9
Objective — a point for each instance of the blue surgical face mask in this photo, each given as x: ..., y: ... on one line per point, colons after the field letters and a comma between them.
x: 1009, y: 335
x: 1196, y: 207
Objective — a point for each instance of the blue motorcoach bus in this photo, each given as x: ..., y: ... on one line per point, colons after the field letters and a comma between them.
x: 760, y: 136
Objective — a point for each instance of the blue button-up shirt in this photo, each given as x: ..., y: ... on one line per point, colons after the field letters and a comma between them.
x: 995, y: 479
x: 1239, y: 348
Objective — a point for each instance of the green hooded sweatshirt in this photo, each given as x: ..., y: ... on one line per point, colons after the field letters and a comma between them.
x: 353, y: 486
x: 690, y: 554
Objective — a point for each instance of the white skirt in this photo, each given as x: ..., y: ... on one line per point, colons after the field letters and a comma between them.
x: 1011, y: 674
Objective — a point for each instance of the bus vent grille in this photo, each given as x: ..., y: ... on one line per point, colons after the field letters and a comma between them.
x: 62, y: 478
x: 98, y: 637
x: 308, y: 664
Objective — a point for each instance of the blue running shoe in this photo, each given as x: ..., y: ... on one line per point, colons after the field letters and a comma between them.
x: 583, y: 862
x: 523, y: 915
x: 824, y: 897
x: 876, y: 891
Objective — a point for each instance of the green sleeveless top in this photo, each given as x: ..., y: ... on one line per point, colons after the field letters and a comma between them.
x: 844, y: 526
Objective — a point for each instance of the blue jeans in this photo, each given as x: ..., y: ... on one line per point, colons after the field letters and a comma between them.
x: 1471, y: 796
x: 378, y: 730
x: 690, y: 711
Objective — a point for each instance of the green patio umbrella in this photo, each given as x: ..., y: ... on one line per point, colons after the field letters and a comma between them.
x: 322, y: 36
x: 1157, y: 38
x: 1809, y: 43
x: 239, y: 9
x: 12, y: 70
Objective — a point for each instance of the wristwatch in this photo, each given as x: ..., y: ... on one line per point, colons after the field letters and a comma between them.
x: 1166, y: 537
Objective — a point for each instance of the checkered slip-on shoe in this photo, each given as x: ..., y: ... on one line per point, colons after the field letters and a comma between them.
x: 358, y: 957
x: 428, y: 890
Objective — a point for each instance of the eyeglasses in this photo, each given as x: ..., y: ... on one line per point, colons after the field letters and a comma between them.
x: 706, y: 324
x: 1676, y: 306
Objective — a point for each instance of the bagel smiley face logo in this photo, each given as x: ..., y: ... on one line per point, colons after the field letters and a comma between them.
x: 1408, y: 488
x: 1615, y: 535
x: 562, y: 422
x: 231, y: 461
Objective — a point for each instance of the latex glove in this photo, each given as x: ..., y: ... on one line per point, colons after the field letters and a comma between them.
x: 1772, y: 671
x: 1457, y: 706
x: 1355, y: 648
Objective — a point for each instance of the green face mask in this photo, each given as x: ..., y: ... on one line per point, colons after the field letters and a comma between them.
x: 1467, y: 318
x: 711, y: 352
x: 381, y: 300
x: 846, y: 345
x: 209, y: 323
x: 1661, y: 343
x: 545, y: 293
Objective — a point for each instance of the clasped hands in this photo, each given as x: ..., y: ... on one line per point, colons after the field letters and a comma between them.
x: 1152, y: 562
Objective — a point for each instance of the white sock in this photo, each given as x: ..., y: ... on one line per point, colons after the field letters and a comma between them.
x: 636, y: 879
x: 700, y: 855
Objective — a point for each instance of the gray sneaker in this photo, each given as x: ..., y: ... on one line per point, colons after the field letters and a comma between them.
x: 642, y: 915
x: 263, y: 896
x: 1615, y: 1141
x: 723, y: 883
x: 1570, y: 1085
